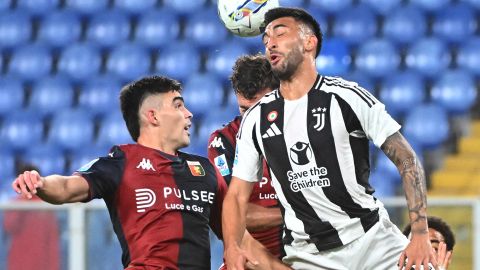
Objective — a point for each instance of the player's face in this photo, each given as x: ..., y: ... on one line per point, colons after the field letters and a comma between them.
x: 435, y: 238
x: 283, y: 46
x: 175, y: 120
x: 244, y: 104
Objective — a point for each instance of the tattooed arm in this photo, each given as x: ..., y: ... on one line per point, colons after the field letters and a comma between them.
x: 419, y: 251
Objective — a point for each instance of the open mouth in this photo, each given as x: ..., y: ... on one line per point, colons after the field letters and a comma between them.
x: 187, y: 127
x: 274, y: 58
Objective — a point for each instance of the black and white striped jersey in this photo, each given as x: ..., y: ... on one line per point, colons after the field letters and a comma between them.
x: 318, y: 154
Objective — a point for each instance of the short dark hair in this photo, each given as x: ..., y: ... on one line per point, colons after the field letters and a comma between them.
x: 300, y: 15
x: 251, y: 74
x: 133, y: 95
x: 439, y: 225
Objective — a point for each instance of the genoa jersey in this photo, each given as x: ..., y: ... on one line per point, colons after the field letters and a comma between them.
x: 221, y: 152
x: 160, y: 205
x: 317, y: 150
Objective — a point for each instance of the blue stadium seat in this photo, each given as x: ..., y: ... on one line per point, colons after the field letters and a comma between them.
x: 51, y: 95
x: 157, y: 28
x: 178, y: 60
x: 473, y: 3
x: 71, y: 129
x: 31, y: 62
x: 38, y: 7
x: 59, y: 29
x: 254, y: 44
x: 109, y: 28
x: 47, y: 157
x: 383, y: 7
x: 215, y: 120
x: 334, y: 59
x: 216, y: 249
x: 5, y: 4
x: 405, y: 24
x: 11, y: 95
x: 428, y: 125
x: 15, y: 28
x: 135, y: 6
x: 321, y: 17
x: 455, y: 23
x: 401, y: 92
x: 363, y: 80
x: 383, y: 184
x: 184, y: 7
x: 86, y: 7
x: 100, y: 240
x: 129, y: 61
x: 7, y: 163
x: 113, y: 131
x: 21, y: 129
x: 100, y: 95
x: 456, y: 91
x: 377, y: 57
x: 292, y: 3
x: 331, y: 5
x: 197, y: 146
x: 204, y: 28
x: 356, y: 24
x: 428, y: 56
x: 220, y: 61
x: 468, y: 56
x: 202, y: 92
x: 80, y: 62
x: 431, y: 5
x: 85, y: 155
x: 384, y: 165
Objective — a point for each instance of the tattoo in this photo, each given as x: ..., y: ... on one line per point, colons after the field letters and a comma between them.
x: 411, y: 170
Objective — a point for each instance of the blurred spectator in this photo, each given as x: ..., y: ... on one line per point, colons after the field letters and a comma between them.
x: 33, y: 236
x: 442, y: 239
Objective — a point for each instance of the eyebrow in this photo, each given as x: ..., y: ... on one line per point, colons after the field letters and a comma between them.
x: 177, y: 98
x: 275, y: 27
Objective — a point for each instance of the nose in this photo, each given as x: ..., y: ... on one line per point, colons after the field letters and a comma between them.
x: 187, y: 113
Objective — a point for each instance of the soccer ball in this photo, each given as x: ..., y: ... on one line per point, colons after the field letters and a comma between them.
x: 245, y: 17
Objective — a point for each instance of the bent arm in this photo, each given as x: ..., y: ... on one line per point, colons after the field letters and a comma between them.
x: 260, y: 218
x: 54, y: 189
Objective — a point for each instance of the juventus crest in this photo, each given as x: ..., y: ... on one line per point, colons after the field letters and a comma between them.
x: 319, y: 115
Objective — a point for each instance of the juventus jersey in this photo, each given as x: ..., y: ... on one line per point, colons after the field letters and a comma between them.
x: 318, y: 154
x: 221, y: 152
x: 160, y: 205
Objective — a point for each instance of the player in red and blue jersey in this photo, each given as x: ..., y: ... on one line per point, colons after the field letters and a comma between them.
x: 251, y: 79
x: 161, y: 201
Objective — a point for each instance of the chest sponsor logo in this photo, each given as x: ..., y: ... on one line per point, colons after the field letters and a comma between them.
x: 319, y: 115
x: 196, y: 168
x: 146, y: 165
x: 217, y: 143
x: 192, y: 200
x: 272, y: 131
x: 222, y: 165
x: 310, y: 178
x: 144, y: 198
x: 300, y: 153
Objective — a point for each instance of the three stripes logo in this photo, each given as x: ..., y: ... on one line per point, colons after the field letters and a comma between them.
x: 272, y: 131
x: 144, y: 198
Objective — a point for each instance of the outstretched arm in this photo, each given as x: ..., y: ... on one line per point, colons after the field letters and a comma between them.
x: 260, y: 218
x: 419, y: 251
x: 54, y: 189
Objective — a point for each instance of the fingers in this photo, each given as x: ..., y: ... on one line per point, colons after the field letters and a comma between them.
x: 27, y: 183
x: 442, y: 249
x: 401, y: 261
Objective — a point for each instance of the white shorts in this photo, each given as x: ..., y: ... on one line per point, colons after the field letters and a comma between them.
x: 379, y: 248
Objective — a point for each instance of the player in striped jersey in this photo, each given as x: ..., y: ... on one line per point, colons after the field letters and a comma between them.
x: 251, y: 79
x: 313, y: 132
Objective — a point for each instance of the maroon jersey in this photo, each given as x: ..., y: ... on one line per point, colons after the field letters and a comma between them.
x: 160, y: 205
x: 221, y: 152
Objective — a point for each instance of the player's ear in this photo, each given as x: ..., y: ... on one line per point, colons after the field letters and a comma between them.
x: 310, y: 43
x: 152, y: 117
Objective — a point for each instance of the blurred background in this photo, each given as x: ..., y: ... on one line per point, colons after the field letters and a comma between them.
x: 63, y: 62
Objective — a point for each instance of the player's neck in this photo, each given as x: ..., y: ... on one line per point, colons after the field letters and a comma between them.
x: 300, y: 83
x: 157, y: 143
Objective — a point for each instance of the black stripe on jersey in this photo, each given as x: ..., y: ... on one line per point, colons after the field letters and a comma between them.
x: 359, y: 146
x: 245, y: 115
x: 288, y: 238
x: 321, y: 233
x: 327, y: 157
x: 370, y: 102
x: 255, y: 141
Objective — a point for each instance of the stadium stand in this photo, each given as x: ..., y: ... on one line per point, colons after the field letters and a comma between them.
x: 63, y: 62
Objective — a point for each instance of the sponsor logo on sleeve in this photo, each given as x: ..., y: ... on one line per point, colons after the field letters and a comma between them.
x: 222, y: 165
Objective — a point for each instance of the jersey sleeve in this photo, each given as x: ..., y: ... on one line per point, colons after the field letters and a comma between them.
x: 103, y: 174
x: 221, y: 154
x: 247, y: 163
x: 377, y: 124
x: 216, y: 211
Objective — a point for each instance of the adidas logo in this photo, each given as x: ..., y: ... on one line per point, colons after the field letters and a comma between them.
x: 272, y: 131
x: 145, y: 164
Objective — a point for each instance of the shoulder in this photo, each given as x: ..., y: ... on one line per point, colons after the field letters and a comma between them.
x: 349, y: 91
